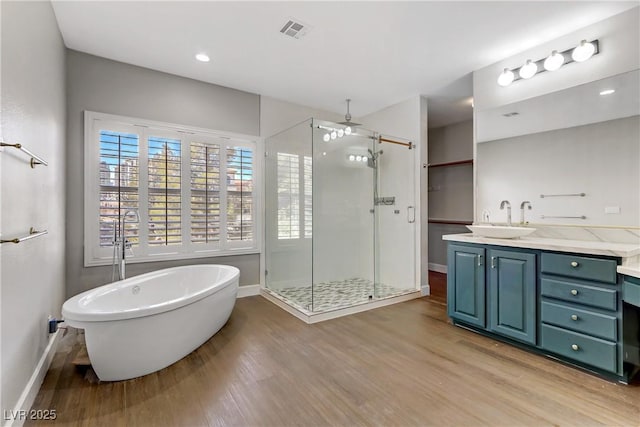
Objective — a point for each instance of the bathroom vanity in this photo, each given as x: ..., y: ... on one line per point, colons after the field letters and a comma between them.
x: 562, y: 298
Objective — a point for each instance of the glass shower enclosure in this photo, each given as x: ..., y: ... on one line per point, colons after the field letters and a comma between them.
x: 340, y: 223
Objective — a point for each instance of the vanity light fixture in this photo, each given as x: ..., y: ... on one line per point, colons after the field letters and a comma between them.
x: 357, y: 158
x: 553, y: 62
x: 583, y: 51
x: 202, y: 57
x: 528, y: 70
x: 607, y: 92
x: 506, y: 77
x: 333, y: 133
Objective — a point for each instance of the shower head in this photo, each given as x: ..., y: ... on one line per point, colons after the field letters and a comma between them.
x: 347, y: 117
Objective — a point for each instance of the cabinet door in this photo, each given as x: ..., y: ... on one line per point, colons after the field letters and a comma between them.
x: 465, y: 284
x: 512, y: 294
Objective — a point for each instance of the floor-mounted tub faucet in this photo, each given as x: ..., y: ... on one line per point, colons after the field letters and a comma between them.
x: 508, y: 205
x: 121, y: 244
x: 522, y: 205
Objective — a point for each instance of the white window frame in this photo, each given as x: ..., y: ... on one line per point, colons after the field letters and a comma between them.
x: 94, y: 255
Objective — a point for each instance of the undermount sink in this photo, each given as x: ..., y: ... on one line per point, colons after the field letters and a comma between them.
x: 500, y: 231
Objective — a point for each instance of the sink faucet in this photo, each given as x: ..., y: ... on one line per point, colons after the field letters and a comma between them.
x: 522, y: 205
x: 508, y: 205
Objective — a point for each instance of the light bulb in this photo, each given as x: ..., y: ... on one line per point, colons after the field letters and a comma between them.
x: 326, y: 137
x: 583, y: 51
x: 607, y: 92
x: 347, y: 130
x: 506, y: 77
x: 334, y: 134
x: 358, y: 158
x: 528, y: 70
x: 351, y: 157
x: 364, y: 159
x: 324, y: 153
x: 340, y: 133
x: 554, y: 61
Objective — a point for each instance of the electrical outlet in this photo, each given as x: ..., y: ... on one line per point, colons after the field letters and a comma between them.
x: 612, y: 209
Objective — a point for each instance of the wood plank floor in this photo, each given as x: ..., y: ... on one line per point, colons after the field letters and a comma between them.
x: 401, y: 365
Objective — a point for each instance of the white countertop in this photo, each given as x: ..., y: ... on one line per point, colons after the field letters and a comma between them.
x: 629, y: 271
x: 623, y: 250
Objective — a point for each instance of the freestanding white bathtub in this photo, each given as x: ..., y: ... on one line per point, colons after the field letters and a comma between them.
x: 140, y: 325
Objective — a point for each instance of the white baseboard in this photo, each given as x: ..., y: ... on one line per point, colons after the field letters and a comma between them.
x: 425, y: 290
x: 248, y: 291
x: 438, y: 268
x: 28, y: 396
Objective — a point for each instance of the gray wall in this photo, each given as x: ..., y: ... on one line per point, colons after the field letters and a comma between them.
x: 105, y: 86
x: 33, y: 113
x: 450, y: 187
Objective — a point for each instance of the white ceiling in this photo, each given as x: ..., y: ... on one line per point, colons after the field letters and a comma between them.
x: 376, y: 53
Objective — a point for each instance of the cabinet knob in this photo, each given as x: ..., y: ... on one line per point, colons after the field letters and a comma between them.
x: 574, y: 292
x: 574, y: 317
x: 575, y: 347
x: 574, y: 264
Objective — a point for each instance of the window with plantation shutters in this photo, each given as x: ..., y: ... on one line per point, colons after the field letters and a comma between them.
x: 119, y: 183
x: 163, y: 197
x: 205, y: 193
x: 239, y: 194
x: 195, y: 191
x: 295, y: 196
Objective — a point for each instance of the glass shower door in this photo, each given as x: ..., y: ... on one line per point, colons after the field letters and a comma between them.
x: 343, y: 217
x: 395, y: 249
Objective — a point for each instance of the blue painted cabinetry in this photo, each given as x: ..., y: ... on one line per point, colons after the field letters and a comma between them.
x: 512, y: 294
x: 565, y: 305
x: 466, y: 284
x: 507, y: 306
x: 580, y: 314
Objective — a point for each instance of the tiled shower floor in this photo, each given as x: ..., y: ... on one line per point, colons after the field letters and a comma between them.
x: 336, y: 294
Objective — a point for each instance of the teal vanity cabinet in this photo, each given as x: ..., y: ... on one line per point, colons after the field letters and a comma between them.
x: 573, y: 307
x: 631, y: 319
x: 580, y: 310
x: 466, y: 284
x: 512, y: 294
x: 507, y: 306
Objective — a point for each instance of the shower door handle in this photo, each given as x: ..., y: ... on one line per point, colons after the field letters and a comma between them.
x: 411, y: 214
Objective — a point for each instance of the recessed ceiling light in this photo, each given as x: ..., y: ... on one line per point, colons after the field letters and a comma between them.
x: 607, y: 92
x: 202, y: 57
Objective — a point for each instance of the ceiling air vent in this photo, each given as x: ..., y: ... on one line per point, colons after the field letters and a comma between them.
x: 295, y: 28
x: 513, y: 113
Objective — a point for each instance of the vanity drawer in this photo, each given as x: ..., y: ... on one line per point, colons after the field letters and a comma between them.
x: 603, y: 270
x: 582, y: 348
x: 631, y: 293
x: 580, y: 294
x: 587, y: 322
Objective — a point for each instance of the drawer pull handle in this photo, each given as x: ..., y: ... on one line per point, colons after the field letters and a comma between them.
x: 574, y: 264
x: 575, y: 347
x: 574, y: 317
x: 574, y: 292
